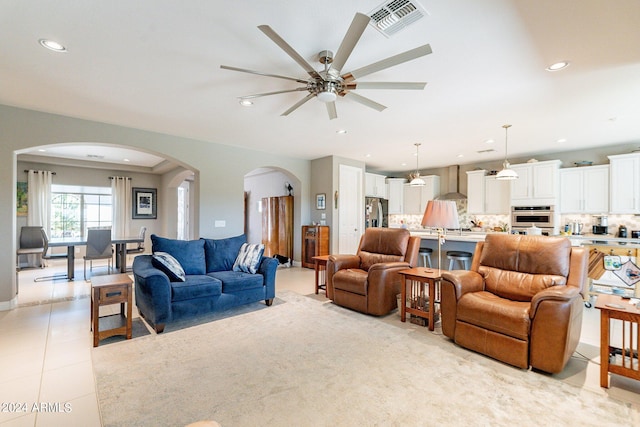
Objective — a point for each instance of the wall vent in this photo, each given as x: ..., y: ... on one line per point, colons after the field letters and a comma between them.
x: 490, y: 150
x: 395, y: 15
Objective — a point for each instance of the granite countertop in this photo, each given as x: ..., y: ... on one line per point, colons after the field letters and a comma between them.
x: 604, y: 239
x: 455, y: 236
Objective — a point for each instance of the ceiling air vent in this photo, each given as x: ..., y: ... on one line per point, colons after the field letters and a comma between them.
x: 490, y: 150
x: 392, y: 16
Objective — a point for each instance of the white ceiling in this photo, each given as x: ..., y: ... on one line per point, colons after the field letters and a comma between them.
x: 155, y: 65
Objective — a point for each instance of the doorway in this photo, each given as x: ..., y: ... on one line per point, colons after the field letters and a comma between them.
x: 350, y: 209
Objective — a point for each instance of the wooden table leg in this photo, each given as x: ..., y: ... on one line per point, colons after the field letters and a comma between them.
x: 403, y: 299
x: 604, y: 348
x: 317, y: 269
x: 432, y: 304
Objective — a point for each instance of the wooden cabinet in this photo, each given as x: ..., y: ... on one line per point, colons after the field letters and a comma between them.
x: 277, y: 226
x: 396, y: 195
x: 315, y: 242
x: 375, y: 185
x: 625, y: 183
x: 537, y: 184
x: 584, y: 190
x: 486, y: 194
x: 416, y: 198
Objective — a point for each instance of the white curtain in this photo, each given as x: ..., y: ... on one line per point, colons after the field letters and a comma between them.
x: 121, y: 206
x: 39, y: 199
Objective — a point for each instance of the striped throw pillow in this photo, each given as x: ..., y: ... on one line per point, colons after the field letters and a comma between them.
x: 248, y: 258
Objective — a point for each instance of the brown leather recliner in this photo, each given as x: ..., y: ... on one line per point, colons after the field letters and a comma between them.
x: 520, y: 303
x: 369, y: 281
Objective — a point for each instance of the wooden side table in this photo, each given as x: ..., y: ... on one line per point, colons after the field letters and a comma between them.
x: 321, y: 272
x: 614, y: 307
x: 417, y: 277
x: 107, y: 290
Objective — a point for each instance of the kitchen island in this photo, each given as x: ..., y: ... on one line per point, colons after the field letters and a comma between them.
x: 454, y: 241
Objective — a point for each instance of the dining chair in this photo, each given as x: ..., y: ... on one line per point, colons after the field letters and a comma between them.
x: 31, y: 243
x: 98, y: 247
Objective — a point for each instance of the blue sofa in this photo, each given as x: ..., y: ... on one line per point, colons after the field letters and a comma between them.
x: 210, y: 282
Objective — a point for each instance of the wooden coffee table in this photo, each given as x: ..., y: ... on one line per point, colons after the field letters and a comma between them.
x: 106, y: 290
x: 417, y: 277
x: 613, y: 307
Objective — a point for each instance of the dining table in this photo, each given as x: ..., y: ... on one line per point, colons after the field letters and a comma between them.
x: 72, y: 242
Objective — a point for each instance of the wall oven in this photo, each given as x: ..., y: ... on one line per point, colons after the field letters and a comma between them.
x: 543, y: 217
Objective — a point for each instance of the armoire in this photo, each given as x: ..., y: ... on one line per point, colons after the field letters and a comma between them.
x: 277, y: 226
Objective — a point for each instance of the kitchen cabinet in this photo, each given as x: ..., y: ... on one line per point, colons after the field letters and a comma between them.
x: 624, y: 184
x: 395, y: 187
x: 315, y: 242
x: 538, y: 183
x: 416, y: 198
x: 375, y: 185
x: 584, y: 190
x: 486, y: 194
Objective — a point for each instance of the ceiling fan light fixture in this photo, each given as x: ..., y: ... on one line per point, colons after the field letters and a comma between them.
x: 506, y: 173
x: 327, y: 96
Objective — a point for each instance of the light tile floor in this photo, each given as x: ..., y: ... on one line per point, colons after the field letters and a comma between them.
x: 46, y: 344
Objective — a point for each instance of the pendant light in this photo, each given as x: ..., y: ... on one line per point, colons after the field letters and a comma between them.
x: 506, y: 173
x: 417, y: 181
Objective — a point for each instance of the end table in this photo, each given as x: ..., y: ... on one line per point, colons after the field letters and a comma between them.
x: 417, y: 277
x: 107, y: 290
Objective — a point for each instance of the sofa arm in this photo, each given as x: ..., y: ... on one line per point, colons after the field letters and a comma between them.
x: 268, y: 267
x: 152, y: 290
x: 561, y: 294
x: 454, y: 284
x: 336, y: 263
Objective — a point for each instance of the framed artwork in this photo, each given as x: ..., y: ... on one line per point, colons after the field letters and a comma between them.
x: 321, y: 201
x: 21, y: 199
x: 144, y: 203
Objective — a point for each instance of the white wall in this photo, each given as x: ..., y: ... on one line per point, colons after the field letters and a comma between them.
x: 221, y: 172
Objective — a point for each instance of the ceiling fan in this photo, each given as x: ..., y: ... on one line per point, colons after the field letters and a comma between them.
x: 329, y: 83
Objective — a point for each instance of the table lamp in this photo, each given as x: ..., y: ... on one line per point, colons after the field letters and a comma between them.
x: 441, y: 214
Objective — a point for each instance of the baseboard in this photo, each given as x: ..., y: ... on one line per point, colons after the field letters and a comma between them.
x: 9, y: 305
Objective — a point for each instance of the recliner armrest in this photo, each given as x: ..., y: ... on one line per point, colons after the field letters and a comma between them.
x: 553, y: 293
x: 464, y: 281
x: 342, y: 261
x: 398, y: 265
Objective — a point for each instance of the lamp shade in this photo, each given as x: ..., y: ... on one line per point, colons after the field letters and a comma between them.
x: 441, y: 214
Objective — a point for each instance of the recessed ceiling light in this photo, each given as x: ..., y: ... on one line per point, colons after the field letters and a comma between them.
x: 489, y: 141
x: 368, y: 155
x: 52, y: 45
x: 460, y: 156
x: 126, y: 160
x: 561, y: 140
x: 558, y: 66
x: 246, y: 103
x: 42, y: 150
x: 403, y: 164
x: 341, y: 132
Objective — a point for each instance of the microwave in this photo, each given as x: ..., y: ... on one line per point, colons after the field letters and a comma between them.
x: 527, y: 216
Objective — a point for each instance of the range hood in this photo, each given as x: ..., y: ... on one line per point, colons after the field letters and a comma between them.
x: 453, y: 185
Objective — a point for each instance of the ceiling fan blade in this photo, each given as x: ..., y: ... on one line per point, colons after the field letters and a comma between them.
x: 244, y: 70
x: 364, y: 101
x: 331, y: 109
x: 268, y: 31
x: 385, y: 85
x: 387, y: 63
x: 258, y: 95
x: 351, y: 38
x: 298, y: 104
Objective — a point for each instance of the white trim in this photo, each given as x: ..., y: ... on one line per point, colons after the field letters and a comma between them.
x: 9, y: 305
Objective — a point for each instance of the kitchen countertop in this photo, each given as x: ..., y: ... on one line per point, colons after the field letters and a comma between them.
x: 454, y: 236
x: 604, y: 239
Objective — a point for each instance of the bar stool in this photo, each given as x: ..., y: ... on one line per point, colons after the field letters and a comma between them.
x: 462, y: 257
x: 425, y: 254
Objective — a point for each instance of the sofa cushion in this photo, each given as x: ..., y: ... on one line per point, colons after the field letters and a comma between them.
x: 196, y: 286
x: 169, y: 265
x: 189, y: 253
x: 352, y: 280
x: 248, y: 258
x: 220, y: 254
x: 489, y: 311
x: 235, y: 281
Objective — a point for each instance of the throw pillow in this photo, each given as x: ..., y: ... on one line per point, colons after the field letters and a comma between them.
x: 169, y: 265
x: 189, y: 253
x: 249, y: 258
x: 220, y: 254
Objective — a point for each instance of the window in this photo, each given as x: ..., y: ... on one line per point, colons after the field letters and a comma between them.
x: 74, y: 209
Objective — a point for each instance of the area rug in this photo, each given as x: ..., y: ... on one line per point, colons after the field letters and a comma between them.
x: 303, y: 362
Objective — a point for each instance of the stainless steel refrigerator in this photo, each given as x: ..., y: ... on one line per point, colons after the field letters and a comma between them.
x: 376, y: 212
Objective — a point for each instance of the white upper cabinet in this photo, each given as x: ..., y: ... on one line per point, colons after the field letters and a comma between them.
x: 486, y: 194
x: 625, y: 184
x: 416, y: 198
x: 537, y: 184
x: 584, y: 190
x: 375, y: 185
x: 396, y: 195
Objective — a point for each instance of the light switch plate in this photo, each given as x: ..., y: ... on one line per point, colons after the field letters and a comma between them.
x: 220, y: 223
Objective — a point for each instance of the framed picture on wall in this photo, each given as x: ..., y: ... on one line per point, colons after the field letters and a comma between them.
x: 144, y: 203
x: 321, y: 201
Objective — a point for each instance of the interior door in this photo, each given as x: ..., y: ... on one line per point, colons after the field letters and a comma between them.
x: 350, y: 209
